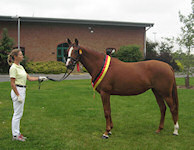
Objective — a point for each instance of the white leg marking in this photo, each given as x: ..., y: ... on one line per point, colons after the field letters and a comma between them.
x: 105, y: 136
x: 69, y: 55
x: 176, y: 127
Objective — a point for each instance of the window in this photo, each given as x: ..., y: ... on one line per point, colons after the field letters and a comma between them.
x: 62, y: 52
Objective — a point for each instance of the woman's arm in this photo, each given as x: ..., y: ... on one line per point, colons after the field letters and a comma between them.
x: 36, y: 78
x: 13, y: 86
x: 32, y: 78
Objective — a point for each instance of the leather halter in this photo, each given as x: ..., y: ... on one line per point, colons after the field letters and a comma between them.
x: 75, y: 60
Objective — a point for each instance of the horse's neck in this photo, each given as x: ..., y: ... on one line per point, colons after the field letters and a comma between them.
x: 92, y: 61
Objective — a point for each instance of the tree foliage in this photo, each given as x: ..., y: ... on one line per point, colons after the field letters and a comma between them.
x: 186, y: 40
x: 161, y: 51
x: 6, y: 44
x: 151, y: 52
x: 165, y: 52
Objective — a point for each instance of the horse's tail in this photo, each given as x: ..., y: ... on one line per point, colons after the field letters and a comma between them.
x: 175, y: 95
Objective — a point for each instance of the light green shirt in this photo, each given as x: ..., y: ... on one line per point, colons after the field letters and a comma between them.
x: 18, y: 72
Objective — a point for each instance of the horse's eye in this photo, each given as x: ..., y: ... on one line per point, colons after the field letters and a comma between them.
x: 76, y: 51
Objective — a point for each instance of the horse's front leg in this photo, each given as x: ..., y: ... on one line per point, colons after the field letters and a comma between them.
x: 107, y: 113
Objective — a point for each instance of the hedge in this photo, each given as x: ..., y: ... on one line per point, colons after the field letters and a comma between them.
x: 50, y: 67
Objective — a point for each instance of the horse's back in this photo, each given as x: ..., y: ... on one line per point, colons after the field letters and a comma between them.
x: 149, y: 68
x: 135, y: 78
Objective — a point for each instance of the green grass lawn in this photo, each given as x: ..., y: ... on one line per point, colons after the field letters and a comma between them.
x: 64, y: 115
x: 181, y: 81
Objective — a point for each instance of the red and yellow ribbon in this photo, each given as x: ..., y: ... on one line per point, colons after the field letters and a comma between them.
x: 102, y: 73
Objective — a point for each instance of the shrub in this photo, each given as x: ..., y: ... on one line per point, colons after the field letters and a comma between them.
x: 6, y: 44
x: 53, y: 67
x: 129, y: 53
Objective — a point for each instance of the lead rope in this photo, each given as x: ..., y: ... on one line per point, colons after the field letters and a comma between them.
x: 55, y: 80
x: 65, y: 76
x: 39, y: 84
x: 62, y: 78
x: 94, y: 94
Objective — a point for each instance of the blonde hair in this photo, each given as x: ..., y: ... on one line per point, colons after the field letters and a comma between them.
x: 13, y: 53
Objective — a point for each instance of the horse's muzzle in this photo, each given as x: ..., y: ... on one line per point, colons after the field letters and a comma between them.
x: 70, y: 66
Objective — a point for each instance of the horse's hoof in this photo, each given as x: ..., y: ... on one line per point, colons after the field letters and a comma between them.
x: 157, y: 131
x: 175, y: 133
x: 109, y: 133
x: 104, y: 136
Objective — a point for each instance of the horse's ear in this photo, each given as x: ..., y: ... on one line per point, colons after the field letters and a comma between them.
x: 76, y: 42
x: 69, y: 41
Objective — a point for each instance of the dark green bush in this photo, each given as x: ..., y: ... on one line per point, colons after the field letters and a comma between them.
x: 129, y: 53
x: 6, y: 44
x: 50, y: 67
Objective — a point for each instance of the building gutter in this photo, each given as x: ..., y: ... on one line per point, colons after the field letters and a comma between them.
x: 144, y: 50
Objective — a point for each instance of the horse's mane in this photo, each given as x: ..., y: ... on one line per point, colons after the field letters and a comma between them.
x: 92, y: 51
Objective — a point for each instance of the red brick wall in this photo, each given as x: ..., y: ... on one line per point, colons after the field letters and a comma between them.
x: 41, y: 39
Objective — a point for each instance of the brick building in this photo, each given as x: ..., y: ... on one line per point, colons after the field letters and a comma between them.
x: 44, y: 39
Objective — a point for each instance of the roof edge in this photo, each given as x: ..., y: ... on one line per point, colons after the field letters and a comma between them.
x: 75, y: 21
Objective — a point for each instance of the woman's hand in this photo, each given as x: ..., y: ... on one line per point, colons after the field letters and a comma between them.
x: 20, y: 99
x: 40, y: 79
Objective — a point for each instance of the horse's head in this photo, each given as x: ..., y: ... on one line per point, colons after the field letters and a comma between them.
x: 74, y: 53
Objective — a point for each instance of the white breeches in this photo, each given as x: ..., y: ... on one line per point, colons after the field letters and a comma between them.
x: 18, y: 108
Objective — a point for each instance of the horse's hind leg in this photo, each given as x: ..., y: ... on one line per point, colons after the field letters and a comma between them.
x: 174, y: 112
x: 111, y: 125
x: 162, y: 106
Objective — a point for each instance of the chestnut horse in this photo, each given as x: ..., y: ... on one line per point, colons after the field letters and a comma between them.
x: 126, y: 79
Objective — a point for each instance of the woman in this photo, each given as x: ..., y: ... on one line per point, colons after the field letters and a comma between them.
x: 18, y: 78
